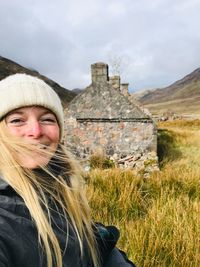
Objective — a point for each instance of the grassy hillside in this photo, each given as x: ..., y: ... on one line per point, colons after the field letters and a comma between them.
x: 159, y: 217
x: 186, y: 100
x: 9, y: 67
x: 187, y: 106
x: 182, y: 97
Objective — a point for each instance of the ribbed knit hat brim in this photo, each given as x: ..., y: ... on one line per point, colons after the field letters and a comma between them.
x: 21, y: 90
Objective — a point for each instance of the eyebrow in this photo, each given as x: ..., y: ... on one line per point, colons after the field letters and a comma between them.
x: 14, y: 113
x: 22, y: 112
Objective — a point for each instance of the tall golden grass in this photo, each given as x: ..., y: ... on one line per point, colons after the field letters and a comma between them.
x: 158, y: 217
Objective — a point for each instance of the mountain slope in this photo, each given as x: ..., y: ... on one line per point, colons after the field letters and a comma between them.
x: 181, y: 97
x: 8, y: 67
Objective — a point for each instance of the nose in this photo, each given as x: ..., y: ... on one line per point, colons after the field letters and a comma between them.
x: 34, y: 129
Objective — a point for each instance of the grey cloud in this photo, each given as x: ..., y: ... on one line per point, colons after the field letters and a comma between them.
x: 61, y: 39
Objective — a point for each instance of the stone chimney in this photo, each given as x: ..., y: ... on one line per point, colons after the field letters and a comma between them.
x: 99, y: 72
x: 124, y: 89
x: 115, y: 81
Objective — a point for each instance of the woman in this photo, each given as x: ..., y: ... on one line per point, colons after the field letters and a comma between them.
x: 44, y: 215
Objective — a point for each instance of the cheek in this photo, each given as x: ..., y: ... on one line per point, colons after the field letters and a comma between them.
x: 54, y: 134
x: 15, y: 131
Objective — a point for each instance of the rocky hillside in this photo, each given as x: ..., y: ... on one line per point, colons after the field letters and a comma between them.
x: 8, y: 67
x: 182, y: 97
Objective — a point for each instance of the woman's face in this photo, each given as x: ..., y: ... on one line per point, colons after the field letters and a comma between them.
x: 37, y: 126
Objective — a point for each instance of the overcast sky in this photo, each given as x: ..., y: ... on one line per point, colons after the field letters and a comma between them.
x: 157, y: 41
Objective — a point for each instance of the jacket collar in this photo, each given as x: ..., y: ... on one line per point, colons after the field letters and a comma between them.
x: 3, y: 185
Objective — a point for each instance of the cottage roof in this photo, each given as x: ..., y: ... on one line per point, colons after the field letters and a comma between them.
x: 102, y: 101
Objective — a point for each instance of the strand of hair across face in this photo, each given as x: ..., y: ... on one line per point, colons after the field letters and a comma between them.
x: 71, y: 198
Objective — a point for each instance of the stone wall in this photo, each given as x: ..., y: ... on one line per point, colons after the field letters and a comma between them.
x: 123, y: 141
x: 104, y: 119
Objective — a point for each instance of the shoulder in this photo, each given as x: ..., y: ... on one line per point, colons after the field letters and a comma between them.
x: 13, y: 212
x: 10, y: 201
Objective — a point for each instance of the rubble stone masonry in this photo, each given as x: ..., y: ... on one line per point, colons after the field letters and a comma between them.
x: 116, y: 139
x: 103, y: 119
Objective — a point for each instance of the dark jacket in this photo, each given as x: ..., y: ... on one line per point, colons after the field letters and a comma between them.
x: 19, y: 238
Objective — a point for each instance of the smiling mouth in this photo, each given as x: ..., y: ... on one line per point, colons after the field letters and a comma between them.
x: 42, y: 146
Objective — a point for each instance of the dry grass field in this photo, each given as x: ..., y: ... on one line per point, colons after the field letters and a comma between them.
x: 158, y: 217
x: 186, y: 106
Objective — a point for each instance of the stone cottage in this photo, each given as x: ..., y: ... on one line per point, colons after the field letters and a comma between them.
x: 103, y: 118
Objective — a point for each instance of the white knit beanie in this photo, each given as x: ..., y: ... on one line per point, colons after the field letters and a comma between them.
x: 21, y: 90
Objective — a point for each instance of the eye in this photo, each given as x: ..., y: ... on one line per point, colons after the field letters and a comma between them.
x: 48, y: 120
x: 16, y: 121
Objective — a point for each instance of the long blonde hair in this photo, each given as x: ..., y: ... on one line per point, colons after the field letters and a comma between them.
x: 66, y: 189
